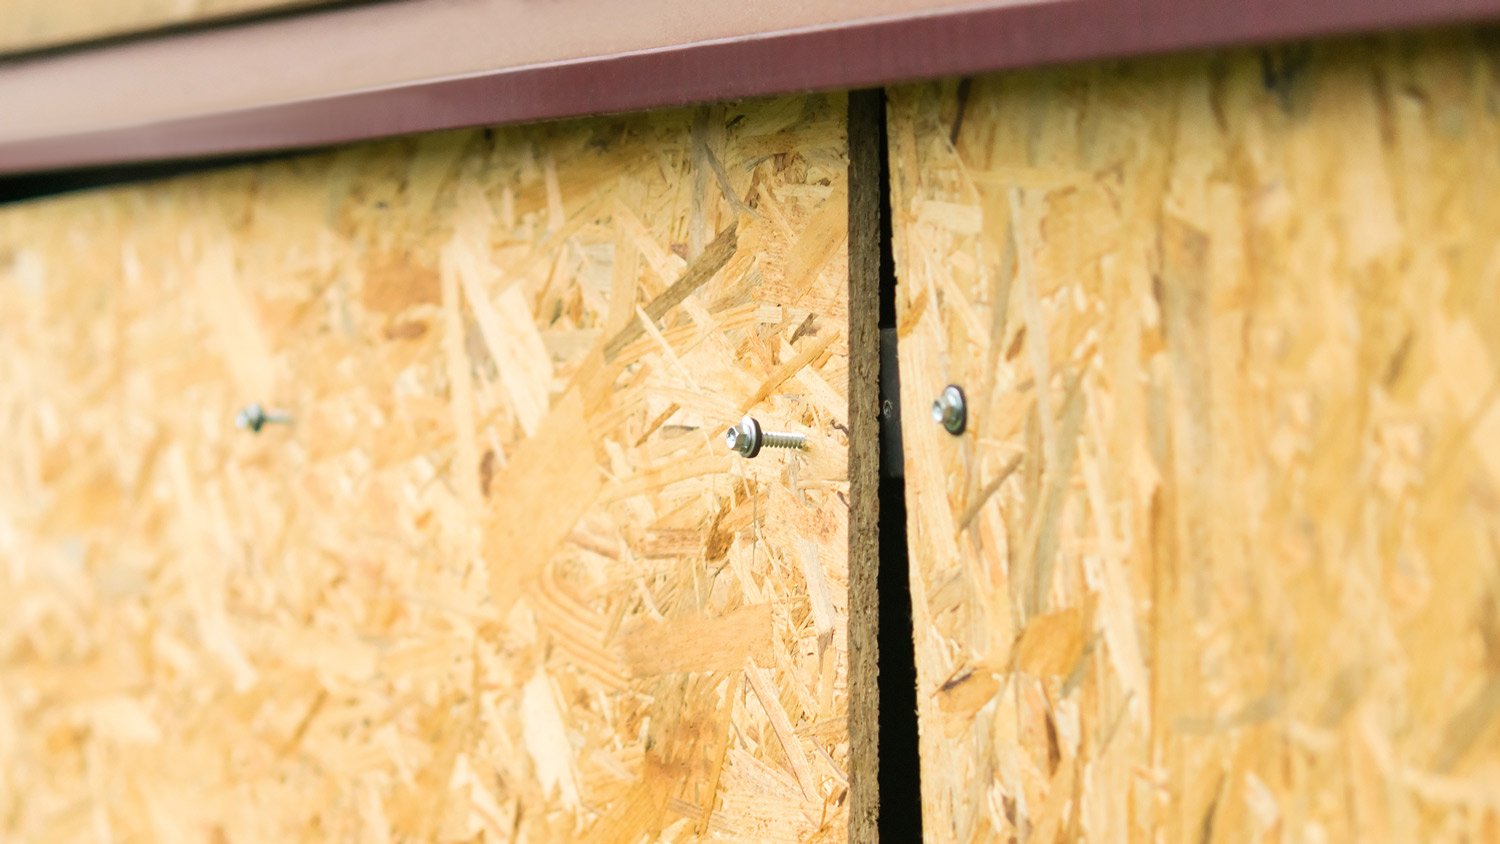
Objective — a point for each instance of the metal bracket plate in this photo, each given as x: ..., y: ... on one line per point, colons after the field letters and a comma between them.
x: 892, y: 462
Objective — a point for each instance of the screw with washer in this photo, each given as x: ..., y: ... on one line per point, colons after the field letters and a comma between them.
x: 950, y: 411
x: 747, y: 438
x: 255, y: 417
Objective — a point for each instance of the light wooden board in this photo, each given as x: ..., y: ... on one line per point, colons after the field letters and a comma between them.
x: 501, y: 580
x: 37, y: 24
x: 1218, y: 558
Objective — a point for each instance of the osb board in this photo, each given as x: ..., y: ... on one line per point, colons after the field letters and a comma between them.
x: 501, y: 579
x: 866, y: 115
x: 1218, y: 557
x: 37, y: 24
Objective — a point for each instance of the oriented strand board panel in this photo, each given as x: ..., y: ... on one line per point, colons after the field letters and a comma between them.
x: 37, y: 24
x: 1218, y: 557
x: 501, y: 580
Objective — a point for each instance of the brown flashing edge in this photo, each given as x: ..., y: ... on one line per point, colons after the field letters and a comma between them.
x: 856, y: 55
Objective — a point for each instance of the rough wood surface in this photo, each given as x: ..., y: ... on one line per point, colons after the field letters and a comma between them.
x: 501, y: 579
x: 865, y: 116
x: 1218, y: 558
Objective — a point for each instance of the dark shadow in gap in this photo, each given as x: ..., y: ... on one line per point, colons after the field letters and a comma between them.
x: 900, y: 764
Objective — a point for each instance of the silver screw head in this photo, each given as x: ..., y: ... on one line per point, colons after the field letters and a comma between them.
x: 748, y: 439
x: 254, y: 417
x: 744, y: 438
x: 950, y: 410
x: 251, y: 418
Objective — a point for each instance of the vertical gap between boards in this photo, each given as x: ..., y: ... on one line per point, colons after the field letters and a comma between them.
x: 900, y: 763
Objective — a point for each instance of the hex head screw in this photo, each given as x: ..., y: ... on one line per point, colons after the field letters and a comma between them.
x: 950, y: 410
x: 748, y: 439
x: 254, y: 417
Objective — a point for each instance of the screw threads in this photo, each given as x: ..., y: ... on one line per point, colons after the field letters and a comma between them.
x: 255, y: 417
x: 747, y: 438
x: 776, y: 439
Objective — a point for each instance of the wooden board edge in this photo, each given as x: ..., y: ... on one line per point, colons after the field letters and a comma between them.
x: 866, y: 111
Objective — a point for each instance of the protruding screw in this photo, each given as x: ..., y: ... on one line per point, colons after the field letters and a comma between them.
x: 747, y: 438
x: 950, y: 411
x: 255, y: 417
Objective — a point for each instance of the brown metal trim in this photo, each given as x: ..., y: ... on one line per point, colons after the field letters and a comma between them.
x: 851, y: 56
